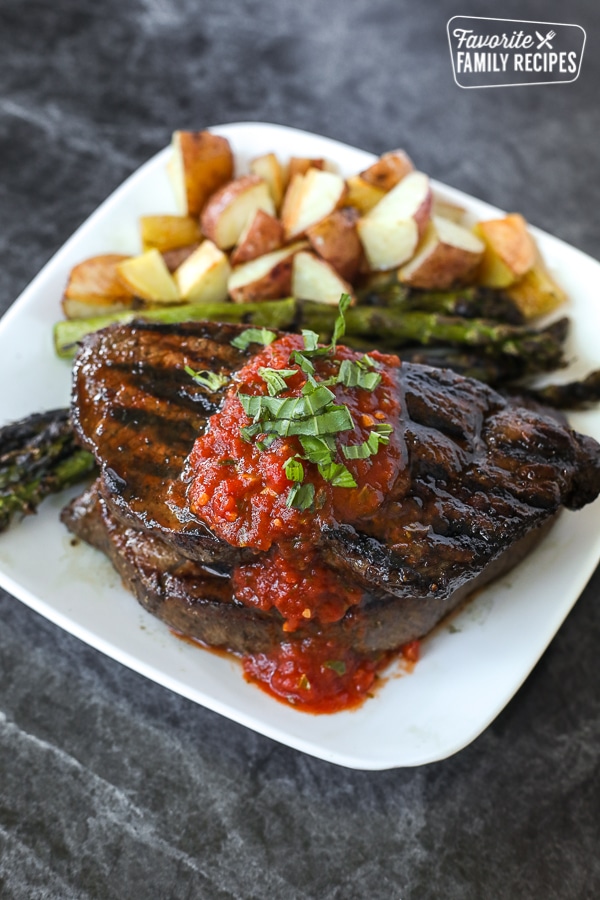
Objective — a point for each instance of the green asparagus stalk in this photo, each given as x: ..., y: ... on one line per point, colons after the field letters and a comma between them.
x: 467, y: 302
x: 401, y: 328
x: 38, y: 457
x: 278, y: 314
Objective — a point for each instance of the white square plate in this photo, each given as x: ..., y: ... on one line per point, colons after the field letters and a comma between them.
x: 468, y: 672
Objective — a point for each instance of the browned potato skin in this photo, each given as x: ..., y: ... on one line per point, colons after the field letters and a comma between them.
x: 207, y: 166
x: 388, y: 170
x: 335, y: 239
x: 275, y: 284
x: 168, y: 232
x: 299, y: 165
x: 173, y: 258
x: 94, y: 288
x: 264, y: 235
x: 444, y: 268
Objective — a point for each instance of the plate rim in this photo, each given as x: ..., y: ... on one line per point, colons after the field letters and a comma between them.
x: 40, y: 606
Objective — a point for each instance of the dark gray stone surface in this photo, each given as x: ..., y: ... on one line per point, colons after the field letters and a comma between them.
x: 110, y: 786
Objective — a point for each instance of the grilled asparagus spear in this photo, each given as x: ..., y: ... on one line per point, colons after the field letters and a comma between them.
x: 38, y: 457
x: 267, y: 313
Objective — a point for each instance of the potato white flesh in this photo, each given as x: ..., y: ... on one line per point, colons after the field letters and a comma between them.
x: 391, y: 231
x: 227, y: 212
x: 448, y: 210
x: 449, y: 254
x: 200, y: 163
x: 314, y: 279
x: 309, y: 199
x: 262, y: 234
x: 203, y: 276
x: 510, y: 251
x: 271, y: 171
x: 389, y: 170
x: 267, y: 278
x: 168, y: 232
x: 148, y: 277
x: 362, y: 195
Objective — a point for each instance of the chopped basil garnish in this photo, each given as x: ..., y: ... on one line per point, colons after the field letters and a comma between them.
x: 275, y: 379
x: 253, y: 336
x: 358, y: 374
x: 379, y: 435
x: 314, y: 416
x: 210, y: 380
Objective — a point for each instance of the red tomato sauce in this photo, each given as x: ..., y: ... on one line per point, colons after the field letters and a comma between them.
x: 301, y: 587
x: 241, y: 492
x: 315, y: 675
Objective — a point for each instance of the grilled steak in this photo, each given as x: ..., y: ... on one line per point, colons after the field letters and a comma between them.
x: 138, y: 411
x: 481, y: 473
x: 195, y: 600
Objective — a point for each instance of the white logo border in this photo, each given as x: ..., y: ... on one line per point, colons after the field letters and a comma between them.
x: 472, y: 87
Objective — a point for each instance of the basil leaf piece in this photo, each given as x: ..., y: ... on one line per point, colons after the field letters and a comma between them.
x: 318, y: 450
x: 275, y: 379
x: 210, y: 380
x: 293, y: 468
x: 301, y: 496
x: 253, y: 336
x: 355, y: 374
x: 339, y: 328
x: 379, y: 435
x: 337, y: 475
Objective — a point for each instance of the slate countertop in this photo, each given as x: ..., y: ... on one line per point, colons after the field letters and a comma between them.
x: 112, y: 787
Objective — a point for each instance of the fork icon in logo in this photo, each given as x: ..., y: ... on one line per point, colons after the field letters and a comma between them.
x: 545, y: 41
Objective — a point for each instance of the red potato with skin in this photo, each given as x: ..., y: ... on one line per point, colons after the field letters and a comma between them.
x: 391, y: 231
x: 335, y: 239
x: 174, y: 258
x: 263, y: 234
x: 267, y: 278
x: 229, y: 209
x: 389, y: 170
x: 448, y: 255
x: 310, y: 198
x: 200, y: 164
x: 299, y: 165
